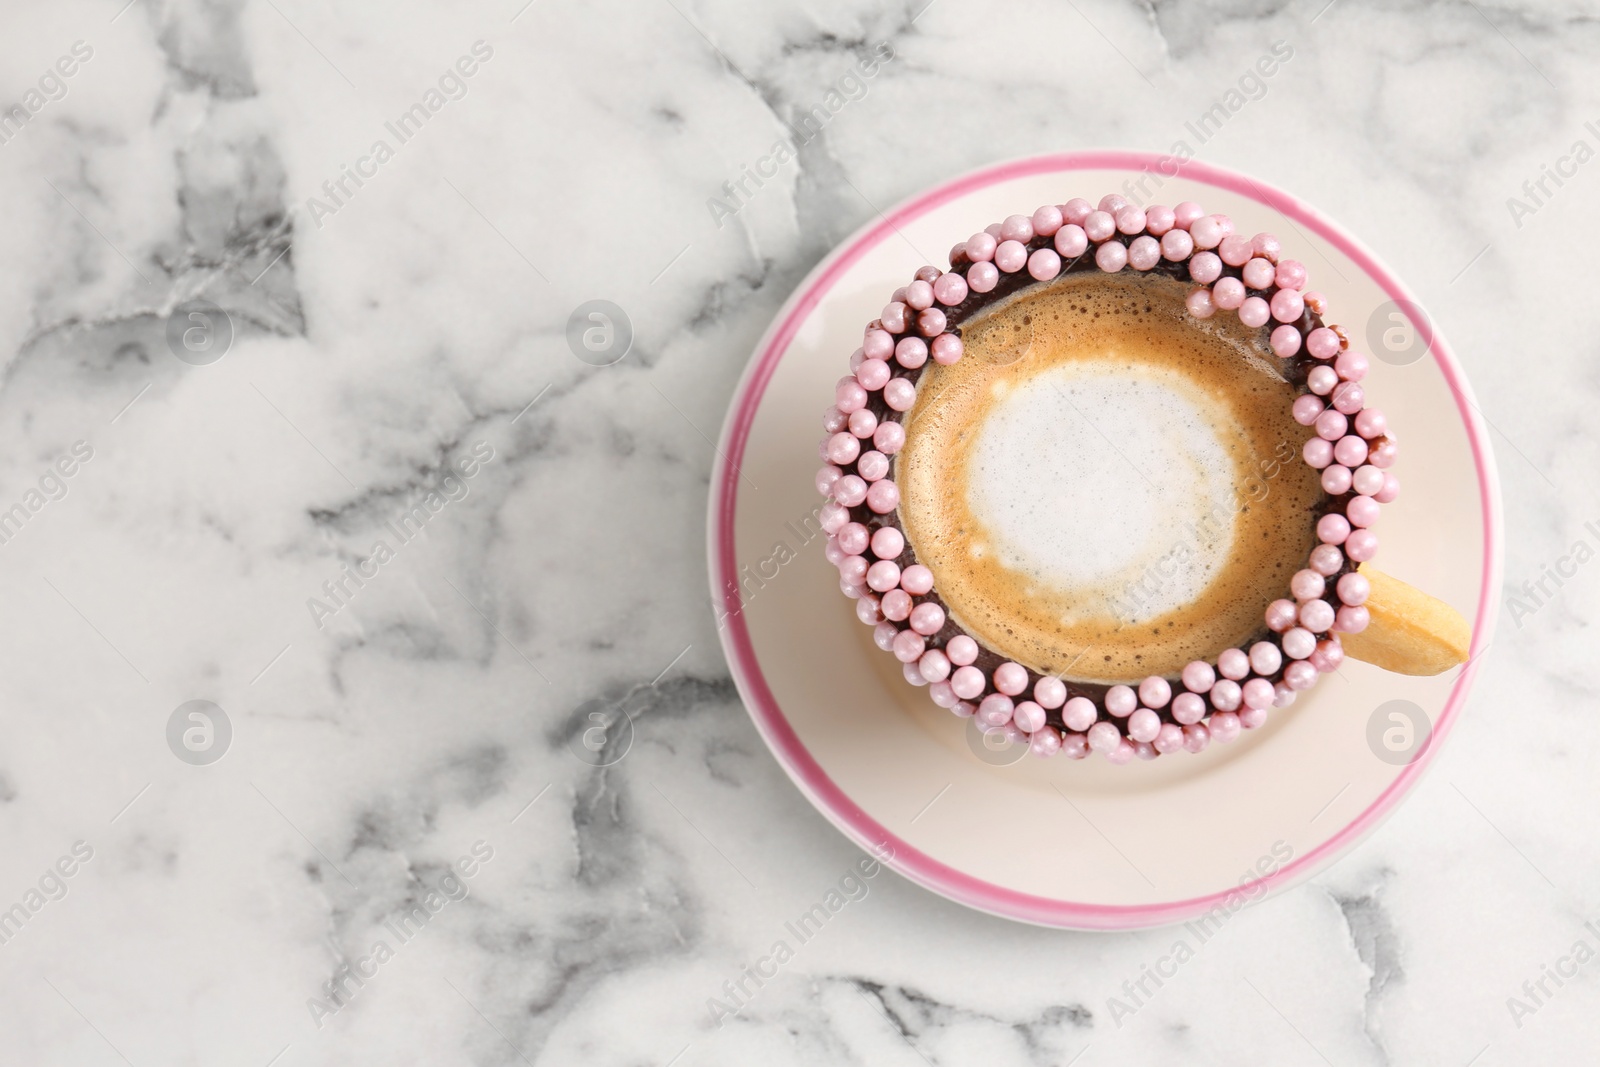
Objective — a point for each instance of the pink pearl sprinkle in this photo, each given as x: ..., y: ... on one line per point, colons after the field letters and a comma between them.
x: 958, y: 252
x: 896, y: 605
x: 1299, y: 676
x: 1322, y: 343
x: 1047, y: 220
x: 888, y: 543
x: 947, y: 349
x: 1331, y: 425
x: 980, y: 247
x: 1291, y: 275
x: 1028, y: 716
x: 1103, y: 737
x: 877, y: 344
x: 1071, y: 241
x: 1228, y: 293
x: 1176, y: 245
x: 850, y: 490
x: 1074, y: 746
x: 1130, y: 220
x: 1354, y: 589
x: 1390, y: 490
x: 1285, y: 341
x: 1306, y: 409
x: 900, y: 394
x: 1256, y: 694
x: 1254, y: 312
x: 1184, y: 215
x: 1044, y: 264
x: 918, y: 580
x: 867, y: 610
x: 863, y: 423
x: 889, y: 438
x: 1076, y: 210
x: 919, y: 295
x: 1155, y: 691
x: 1206, y: 232
x: 1011, y: 678
x: 883, y: 576
x: 1196, y: 738
x: 1265, y: 657
x: 1143, y: 725
x: 1144, y: 253
x: 1352, y: 366
x: 1258, y: 273
x: 893, y: 317
x: 1316, y: 615
x: 1371, y: 423
x: 1224, y: 726
x: 927, y: 273
x: 825, y: 479
x: 1010, y: 256
x: 853, y: 540
x: 927, y: 619
x: 1158, y: 219
x: 1348, y: 397
x: 995, y: 709
x: 1120, y: 701
x: 1044, y: 742
x: 848, y: 395
x: 1280, y: 615
x: 1225, y: 695
x: 982, y: 277
x: 1317, y: 453
x: 1267, y: 247
x: 1111, y: 257
x: 1367, y: 480
x: 934, y: 665
x: 1384, y: 452
x: 1080, y: 714
x: 1099, y: 226
x: 931, y: 323
x: 1233, y: 664
x: 950, y: 289
x: 1205, y: 268
x: 1122, y: 754
x: 1329, y: 655
x: 1350, y: 450
x: 962, y: 650
x: 1307, y: 585
x: 1361, y: 545
x: 873, y: 466
x: 834, y: 420
x: 883, y: 635
x: 1333, y: 529
x: 941, y: 693
x: 1169, y: 738
x: 1336, y: 479
x: 1235, y: 250
x: 1321, y: 380
x: 1226, y: 223
x: 1251, y: 718
x: 1326, y: 559
x: 967, y: 682
x: 964, y: 709
x: 909, y: 646
x: 1316, y: 302
x: 1188, y: 707
x: 883, y: 496
x: 1016, y: 228
x: 1299, y: 642
x: 1050, y: 692
x: 1113, y: 203
x: 1287, y: 305
x: 833, y: 516
x: 1351, y: 620
x: 911, y: 352
x: 1199, y: 676
x: 873, y: 374
x: 1200, y: 304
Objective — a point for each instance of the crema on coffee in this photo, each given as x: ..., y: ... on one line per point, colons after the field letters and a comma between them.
x: 1104, y: 487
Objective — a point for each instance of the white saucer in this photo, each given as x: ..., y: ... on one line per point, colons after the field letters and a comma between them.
x: 1056, y: 842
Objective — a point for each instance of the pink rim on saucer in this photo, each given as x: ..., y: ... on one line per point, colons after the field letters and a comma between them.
x: 769, y: 716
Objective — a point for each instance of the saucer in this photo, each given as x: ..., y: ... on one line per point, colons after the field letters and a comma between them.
x: 1084, y: 844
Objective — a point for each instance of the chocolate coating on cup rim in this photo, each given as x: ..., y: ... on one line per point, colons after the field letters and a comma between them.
x: 1299, y: 637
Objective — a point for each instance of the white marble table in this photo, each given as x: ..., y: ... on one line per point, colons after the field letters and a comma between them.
x: 411, y: 744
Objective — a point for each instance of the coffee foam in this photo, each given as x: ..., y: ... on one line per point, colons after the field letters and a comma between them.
x: 1103, y: 486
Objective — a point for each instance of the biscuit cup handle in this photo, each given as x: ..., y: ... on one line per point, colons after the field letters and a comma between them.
x: 1410, y: 632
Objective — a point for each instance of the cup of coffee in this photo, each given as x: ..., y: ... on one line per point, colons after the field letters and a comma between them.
x: 1109, y: 482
